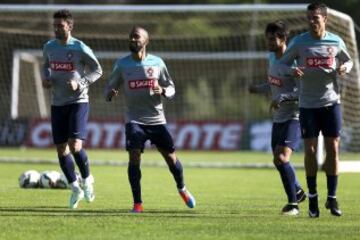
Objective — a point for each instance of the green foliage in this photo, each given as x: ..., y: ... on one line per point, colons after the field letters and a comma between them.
x: 199, y: 99
x: 189, y: 26
x: 225, y: 98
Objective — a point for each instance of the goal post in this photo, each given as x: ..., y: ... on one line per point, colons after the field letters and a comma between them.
x: 32, y: 58
x: 213, y: 52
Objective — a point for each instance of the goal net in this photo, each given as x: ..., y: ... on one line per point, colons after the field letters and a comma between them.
x: 213, y: 54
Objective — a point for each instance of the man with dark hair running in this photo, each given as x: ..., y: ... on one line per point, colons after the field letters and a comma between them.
x: 286, y: 128
x: 322, y: 58
x: 70, y: 67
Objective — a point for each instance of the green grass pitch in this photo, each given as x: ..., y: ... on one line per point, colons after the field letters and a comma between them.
x: 231, y: 203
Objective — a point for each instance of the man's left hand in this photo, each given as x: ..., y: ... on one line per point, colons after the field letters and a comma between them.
x: 274, y: 105
x: 157, y: 89
x: 73, y: 85
x: 341, y: 70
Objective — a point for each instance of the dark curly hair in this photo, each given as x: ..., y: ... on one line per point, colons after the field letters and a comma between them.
x: 64, y: 14
x: 279, y: 28
x: 318, y: 6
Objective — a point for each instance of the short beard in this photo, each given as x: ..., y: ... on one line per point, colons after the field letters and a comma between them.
x: 134, y: 49
x: 61, y: 36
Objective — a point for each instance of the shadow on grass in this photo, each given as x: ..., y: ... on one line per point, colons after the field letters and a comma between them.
x: 64, y: 211
x: 58, y: 211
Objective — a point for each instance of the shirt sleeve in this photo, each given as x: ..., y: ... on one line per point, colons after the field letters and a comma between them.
x: 344, y: 56
x: 166, y: 82
x: 115, y: 79
x: 290, y: 96
x: 262, y: 88
x: 286, y: 63
x: 94, y: 70
x: 46, y: 65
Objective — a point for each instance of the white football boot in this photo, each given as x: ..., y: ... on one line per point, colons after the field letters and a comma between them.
x: 75, y: 198
x: 88, y: 188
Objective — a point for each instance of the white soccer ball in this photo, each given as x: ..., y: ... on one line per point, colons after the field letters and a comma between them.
x: 29, y: 179
x: 49, y: 179
x: 62, y: 183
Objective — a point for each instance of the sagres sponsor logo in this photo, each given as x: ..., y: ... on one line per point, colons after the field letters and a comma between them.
x: 62, y: 66
x: 275, y: 81
x: 326, y: 62
x: 145, y: 83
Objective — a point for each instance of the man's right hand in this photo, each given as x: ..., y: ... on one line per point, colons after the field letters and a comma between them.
x: 111, y: 93
x: 274, y: 105
x: 298, y: 72
x: 46, y: 83
x: 341, y: 70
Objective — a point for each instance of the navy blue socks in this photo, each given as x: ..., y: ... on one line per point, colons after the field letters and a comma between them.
x: 311, y: 182
x: 134, y: 174
x: 177, y: 172
x: 288, y: 178
x: 68, y: 167
x: 82, y: 162
x: 332, y: 185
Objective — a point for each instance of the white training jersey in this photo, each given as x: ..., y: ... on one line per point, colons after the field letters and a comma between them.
x: 319, y: 59
x: 137, y: 79
x: 284, y: 90
x: 74, y: 60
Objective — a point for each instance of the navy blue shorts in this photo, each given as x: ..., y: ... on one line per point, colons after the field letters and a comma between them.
x: 138, y: 134
x: 286, y: 134
x: 325, y: 119
x: 69, y: 121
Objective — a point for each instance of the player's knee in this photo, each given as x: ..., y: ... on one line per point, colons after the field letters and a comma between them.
x: 280, y: 159
x: 62, y: 149
x: 310, y: 150
x: 332, y: 149
x: 310, y: 154
x: 135, y: 156
x: 75, y: 145
x: 170, y: 157
x: 281, y: 155
x: 310, y: 146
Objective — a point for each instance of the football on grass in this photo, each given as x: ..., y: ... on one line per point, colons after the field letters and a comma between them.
x: 29, y: 179
x: 49, y: 179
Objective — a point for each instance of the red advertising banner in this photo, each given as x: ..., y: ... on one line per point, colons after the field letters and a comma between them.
x: 108, y: 133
